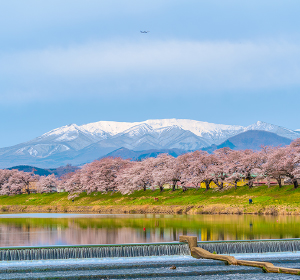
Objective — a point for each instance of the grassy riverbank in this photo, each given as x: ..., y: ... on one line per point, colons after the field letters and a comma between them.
x: 273, y: 200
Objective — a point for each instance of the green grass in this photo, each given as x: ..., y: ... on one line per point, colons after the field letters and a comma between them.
x: 262, y: 196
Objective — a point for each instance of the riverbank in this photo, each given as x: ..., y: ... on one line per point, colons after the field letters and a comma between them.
x: 272, y: 201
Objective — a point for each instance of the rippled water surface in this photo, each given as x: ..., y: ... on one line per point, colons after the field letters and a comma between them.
x: 67, y: 229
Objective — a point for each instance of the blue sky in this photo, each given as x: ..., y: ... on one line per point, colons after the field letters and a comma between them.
x: 226, y: 61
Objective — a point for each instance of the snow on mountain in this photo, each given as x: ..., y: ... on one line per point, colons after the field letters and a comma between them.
x: 72, y: 132
x: 78, y: 144
x: 72, y: 136
x: 139, y: 129
x: 42, y: 150
x: 281, y: 131
x: 110, y: 127
x: 197, y: 127
x: 144, y: 136
x: 212, y: 133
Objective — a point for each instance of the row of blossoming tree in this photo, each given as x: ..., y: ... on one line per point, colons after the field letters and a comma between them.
x: 190, y: 169
x: 223, y: 167
x: 17, y: 182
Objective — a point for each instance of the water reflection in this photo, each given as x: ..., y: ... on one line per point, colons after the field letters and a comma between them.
x: 57, y: 229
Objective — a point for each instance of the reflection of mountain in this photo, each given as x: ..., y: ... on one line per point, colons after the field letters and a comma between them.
x: 129, y: 229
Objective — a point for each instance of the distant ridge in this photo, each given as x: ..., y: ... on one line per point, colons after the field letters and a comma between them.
x: 32, y: 169
x: 252, y: 139
x: 59, y: 171
x: 82, y: 144
x: 140, y: 155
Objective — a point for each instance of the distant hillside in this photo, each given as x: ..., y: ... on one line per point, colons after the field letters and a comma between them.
x: 60, y: 171
x: 140, y: 155
x: 252, y: 139
x: 35, y: 170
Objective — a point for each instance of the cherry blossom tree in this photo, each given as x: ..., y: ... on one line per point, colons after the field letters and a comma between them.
x: 199, y: 169
x: 14, y: 181
x: 100, y: 175
x: 221, y: 166
x: 137, y: 175
x: 4, y: 181
x: 22, y: 181
x: 296, y: 146
x: 192, y: 173
x: 290, y: 162
x: 72, y: 182
x: 274, y: 167
x: 233, y: 168
x: 250, y: 165
x: 207, y: 163
x: 175, y: 167
x: 184, y: 173
x: 47, y: 184
x: 161, y: 172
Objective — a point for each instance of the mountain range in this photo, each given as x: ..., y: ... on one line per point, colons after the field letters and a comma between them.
x: 76, y: 145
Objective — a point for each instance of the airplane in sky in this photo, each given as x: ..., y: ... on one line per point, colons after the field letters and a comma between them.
x: 144, y: 31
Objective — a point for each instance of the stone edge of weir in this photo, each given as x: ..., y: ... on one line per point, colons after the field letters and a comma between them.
x: 198, y: 252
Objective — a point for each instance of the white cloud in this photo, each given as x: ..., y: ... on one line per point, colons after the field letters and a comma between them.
x: 153, y: 67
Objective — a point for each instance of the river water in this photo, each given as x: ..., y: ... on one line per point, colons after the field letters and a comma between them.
x: 69, y: 229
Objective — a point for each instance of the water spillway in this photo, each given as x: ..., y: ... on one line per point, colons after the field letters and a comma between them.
x: 251, y: 246
x: 93, y: 251
x: 146, y: 250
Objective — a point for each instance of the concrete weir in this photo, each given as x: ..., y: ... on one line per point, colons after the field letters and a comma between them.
x: 198, y: 252
x: 92, y: 251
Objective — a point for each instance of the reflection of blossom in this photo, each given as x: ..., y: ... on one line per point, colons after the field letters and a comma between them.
x: 120, y: 230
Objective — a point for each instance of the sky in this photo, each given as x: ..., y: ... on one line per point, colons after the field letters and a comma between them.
x: 220, y: 61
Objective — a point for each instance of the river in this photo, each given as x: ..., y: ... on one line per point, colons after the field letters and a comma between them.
x: 69, y: 229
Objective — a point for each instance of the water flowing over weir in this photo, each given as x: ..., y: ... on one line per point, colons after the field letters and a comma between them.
x: 251, y: 246
x: 93, y: 251
x: 145, y: 250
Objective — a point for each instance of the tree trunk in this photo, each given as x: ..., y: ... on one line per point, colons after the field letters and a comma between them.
x: 279, y: 182
x: 144, y: 187
x: 295, y: 182
x: 27, y: 189
x: 161, y: 188
x: 235, y: 184
x: 207, y: 182
x: 250, y: 183
x: 219, y: 185
x: 184, y: 188
x: 174, y: 184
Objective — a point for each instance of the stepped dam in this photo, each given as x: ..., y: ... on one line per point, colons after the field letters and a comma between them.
x: 251, y: 246
x: 146, y: 250
x: 93, y: 251
x: 148, y: 261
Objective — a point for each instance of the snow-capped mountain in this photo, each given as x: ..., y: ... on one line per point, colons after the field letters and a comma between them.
x: 281, y: 131
x: 203, y: 129
x: 79, y: 144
